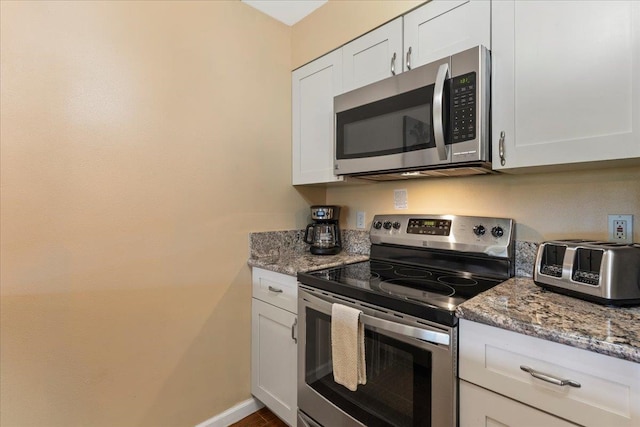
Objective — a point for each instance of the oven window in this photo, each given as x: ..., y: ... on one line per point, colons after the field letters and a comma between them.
x: 398, y: 389
x: 389, y: 126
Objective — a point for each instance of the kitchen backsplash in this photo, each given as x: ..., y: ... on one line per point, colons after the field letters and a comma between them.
x: 291, y: 242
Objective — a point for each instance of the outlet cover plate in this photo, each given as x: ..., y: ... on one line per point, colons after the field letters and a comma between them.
x: 626, y: 221
x: 361, y: 218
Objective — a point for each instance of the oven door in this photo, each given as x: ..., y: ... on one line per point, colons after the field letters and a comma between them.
x: 411, y: 378
x: 397, y: 123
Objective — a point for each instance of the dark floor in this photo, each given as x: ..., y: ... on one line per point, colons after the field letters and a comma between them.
x: 260, y: 418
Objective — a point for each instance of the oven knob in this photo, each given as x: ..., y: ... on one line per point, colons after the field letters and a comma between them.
x: 377, y: 225
x: 387, y: 225
x: 479, y: 230
x: 396, y: 225
x: 497, y: 231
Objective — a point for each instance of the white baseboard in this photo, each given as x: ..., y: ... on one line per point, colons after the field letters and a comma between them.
x: 233, y: 414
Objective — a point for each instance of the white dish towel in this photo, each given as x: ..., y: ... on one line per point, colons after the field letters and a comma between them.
x: 347, y: 347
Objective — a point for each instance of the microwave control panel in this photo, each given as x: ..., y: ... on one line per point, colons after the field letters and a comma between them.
x: 463, y: 108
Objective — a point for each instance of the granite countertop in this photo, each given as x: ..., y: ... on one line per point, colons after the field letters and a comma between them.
x: 520, y: 305
x: 285, y: 251
x: 293, y: 264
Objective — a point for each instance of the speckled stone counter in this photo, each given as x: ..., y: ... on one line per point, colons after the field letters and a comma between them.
x: 519, y: 305
x: 285, y: 251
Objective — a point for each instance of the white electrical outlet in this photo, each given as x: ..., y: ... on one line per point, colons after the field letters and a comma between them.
x: 621, y: 228
x: 361, y: 219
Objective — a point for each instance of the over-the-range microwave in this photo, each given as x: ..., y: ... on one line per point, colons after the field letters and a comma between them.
x: 430, y: 121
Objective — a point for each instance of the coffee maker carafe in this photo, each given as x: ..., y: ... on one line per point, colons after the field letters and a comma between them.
x: 324, y: 233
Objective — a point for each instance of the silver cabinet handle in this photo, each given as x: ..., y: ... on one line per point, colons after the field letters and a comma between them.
x: 549, y: 378
x: 501, y: 149
x: 276, y: 290
x: 393, y: 64
x: 438, y: 104
x: 409, y: 58
x: 293, y: 333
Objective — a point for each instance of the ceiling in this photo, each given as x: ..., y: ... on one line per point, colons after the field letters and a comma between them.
x: 286, y: 11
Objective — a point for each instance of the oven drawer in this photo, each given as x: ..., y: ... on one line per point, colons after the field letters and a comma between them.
x: 274, y: 288
x: 604, y: 391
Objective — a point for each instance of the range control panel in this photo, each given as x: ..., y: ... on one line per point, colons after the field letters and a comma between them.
x: 491, y: 236
x: 434, y: 227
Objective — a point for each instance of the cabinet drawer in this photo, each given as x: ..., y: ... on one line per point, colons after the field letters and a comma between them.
x: 277, y: 289
x: 483, y: 408
x: 609, y: 388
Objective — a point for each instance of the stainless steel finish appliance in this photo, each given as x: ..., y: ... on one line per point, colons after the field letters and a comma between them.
x: 602, y: 272
x: 429, y: 121
x: 421, y: 268
x: 324, y: 233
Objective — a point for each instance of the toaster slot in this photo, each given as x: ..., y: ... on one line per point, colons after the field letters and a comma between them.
x: 586, y: 266
x: 552, y: 259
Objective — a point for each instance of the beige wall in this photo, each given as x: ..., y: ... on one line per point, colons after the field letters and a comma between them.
x: 141, y: 142
x: 544, y: 205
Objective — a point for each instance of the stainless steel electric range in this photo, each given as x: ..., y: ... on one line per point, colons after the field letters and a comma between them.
x: 421, y: 268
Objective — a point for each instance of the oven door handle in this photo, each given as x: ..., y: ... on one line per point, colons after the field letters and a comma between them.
x: 427, y: 335
x: 406, y: 330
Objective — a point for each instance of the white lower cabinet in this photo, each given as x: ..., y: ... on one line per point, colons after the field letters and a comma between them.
x: 274, y: 343
x: 512, y: 379
x: 488, y: 409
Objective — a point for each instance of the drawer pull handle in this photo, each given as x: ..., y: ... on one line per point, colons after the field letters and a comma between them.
x: 276, y: 290
x: 550, y: 379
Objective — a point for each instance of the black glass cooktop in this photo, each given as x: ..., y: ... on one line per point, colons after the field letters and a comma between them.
x: 426, y: 293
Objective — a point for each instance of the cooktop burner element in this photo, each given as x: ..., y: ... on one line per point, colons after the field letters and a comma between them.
x: 427, y: 266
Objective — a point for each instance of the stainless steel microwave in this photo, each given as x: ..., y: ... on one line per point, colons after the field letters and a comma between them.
x: 429, y: 121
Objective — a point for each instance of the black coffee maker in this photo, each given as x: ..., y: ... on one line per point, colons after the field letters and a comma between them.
x: 324, y: 233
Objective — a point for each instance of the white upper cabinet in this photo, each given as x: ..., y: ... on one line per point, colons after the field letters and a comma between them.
x: 372, y: 57
x: 437, y: 29
x: 313, y: 88
x: 444, y: 27
x: 566, y: 82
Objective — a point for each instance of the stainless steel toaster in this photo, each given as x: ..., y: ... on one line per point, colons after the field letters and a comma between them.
x: 602, y: 272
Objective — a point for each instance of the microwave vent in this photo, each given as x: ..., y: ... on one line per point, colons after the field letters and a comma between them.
x: 429, y: 173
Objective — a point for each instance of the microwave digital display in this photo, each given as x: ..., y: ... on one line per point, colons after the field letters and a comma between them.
x: 433, y: 227
x: 463, y: 108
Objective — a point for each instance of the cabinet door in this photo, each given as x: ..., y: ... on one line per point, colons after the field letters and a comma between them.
x: 313, y: 88
x: 565, y: 82
x: 372, y: 57
x: 274, y: 359
x: 597, y: 390
x: 480, y: 407
x: 444, y: 27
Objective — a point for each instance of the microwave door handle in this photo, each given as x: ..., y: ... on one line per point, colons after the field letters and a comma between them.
x: 438, y: 105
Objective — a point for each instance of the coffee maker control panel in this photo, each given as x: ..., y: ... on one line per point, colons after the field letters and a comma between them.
x: 325, y: 213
